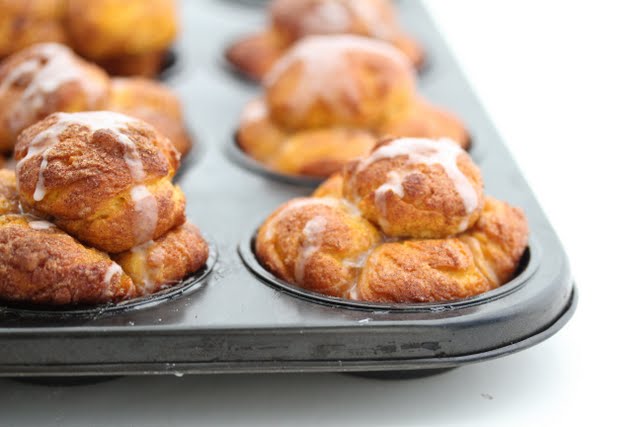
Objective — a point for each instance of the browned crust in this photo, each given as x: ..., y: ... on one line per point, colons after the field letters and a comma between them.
x: 9, y: 202
x: 166, y: 261
x: 390, y: 269
x: 430, y: 206
x: 383, y: 86
x: 331, y: 187
x: 50, y: 267
x: 424, y: 120
x: 419, y: 271
x: 285, y: 248
x: 109, y: 28
x: 153, y: 103
x: 88, y: 182
x: 498, y: 240
x: 17, y: 113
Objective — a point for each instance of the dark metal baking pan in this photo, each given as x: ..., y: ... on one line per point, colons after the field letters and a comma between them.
x: 237, y: 323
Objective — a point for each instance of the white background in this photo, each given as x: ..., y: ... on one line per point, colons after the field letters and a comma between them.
x: 561, y: 81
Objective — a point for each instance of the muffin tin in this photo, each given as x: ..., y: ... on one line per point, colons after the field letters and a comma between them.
x: 240, y: 318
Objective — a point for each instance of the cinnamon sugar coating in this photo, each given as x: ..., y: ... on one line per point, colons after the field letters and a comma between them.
x: 419, y: 188
x: 161, y: 263
x: 44, y: 79
x: 40, y: 264
x: 439, y: 238
x: 315, y: 243
x: 103, y: 177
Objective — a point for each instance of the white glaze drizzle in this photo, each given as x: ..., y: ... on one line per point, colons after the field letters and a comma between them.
x: 334, y: 16
x: 326, y: 72
x: 40, y: 224
x: 51, y: 66
x: 146, y: 207
x: 296, y: 204
x: 114, y: 269
x: 327, y: 17
x: 443, y: 152
x: 148, y: 286
x: 311, y: 243
x: 254, y: 111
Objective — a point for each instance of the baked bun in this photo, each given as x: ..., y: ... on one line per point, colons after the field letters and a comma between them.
x: 27, y: 22
x: 416, y: 271
x: 439, y: 240
x: 316, y: 243
x: 338, y: 80
x: 44, y: 79
x: 153, y: 103
x: 329, y: 99
x: 498, y: 240
x: 416, y: 187
x: 293, y: 20
x: 110, y: 29
x: 158, y: 264
x: 39, y: 264
x: 9, y: 200
x: 331, y: 187
x: 103, y: 177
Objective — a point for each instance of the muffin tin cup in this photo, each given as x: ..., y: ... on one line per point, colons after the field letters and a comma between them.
x: 528, y: 265
x: 170, y: 65
x: 245, y: 319
x: 238, y: 156
x: 187, y: 286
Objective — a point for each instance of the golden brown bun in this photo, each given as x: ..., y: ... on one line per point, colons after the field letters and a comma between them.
x: 258, y: 135
x: 162, y: 263
x: 417, y: 271
x: 101, y: 29
x: 329, y: 99
x: 416, y: 187
x: 331, y: 187
x: 338, y: 80
x: 103, y: 177
x: 27, y: 22
x: 293, y: 20
x: 39, y: 264
x: 498, y: 240
x: 44, y: 79
x: 153, y: 103
x: 321, y: 152
x: 440, y: 240
x: 316, y: 243
x: 147, y: 64
x: 424, y: 120
x: 9, y: 201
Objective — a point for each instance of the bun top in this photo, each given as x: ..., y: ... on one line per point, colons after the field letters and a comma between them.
x: 339, y: 80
